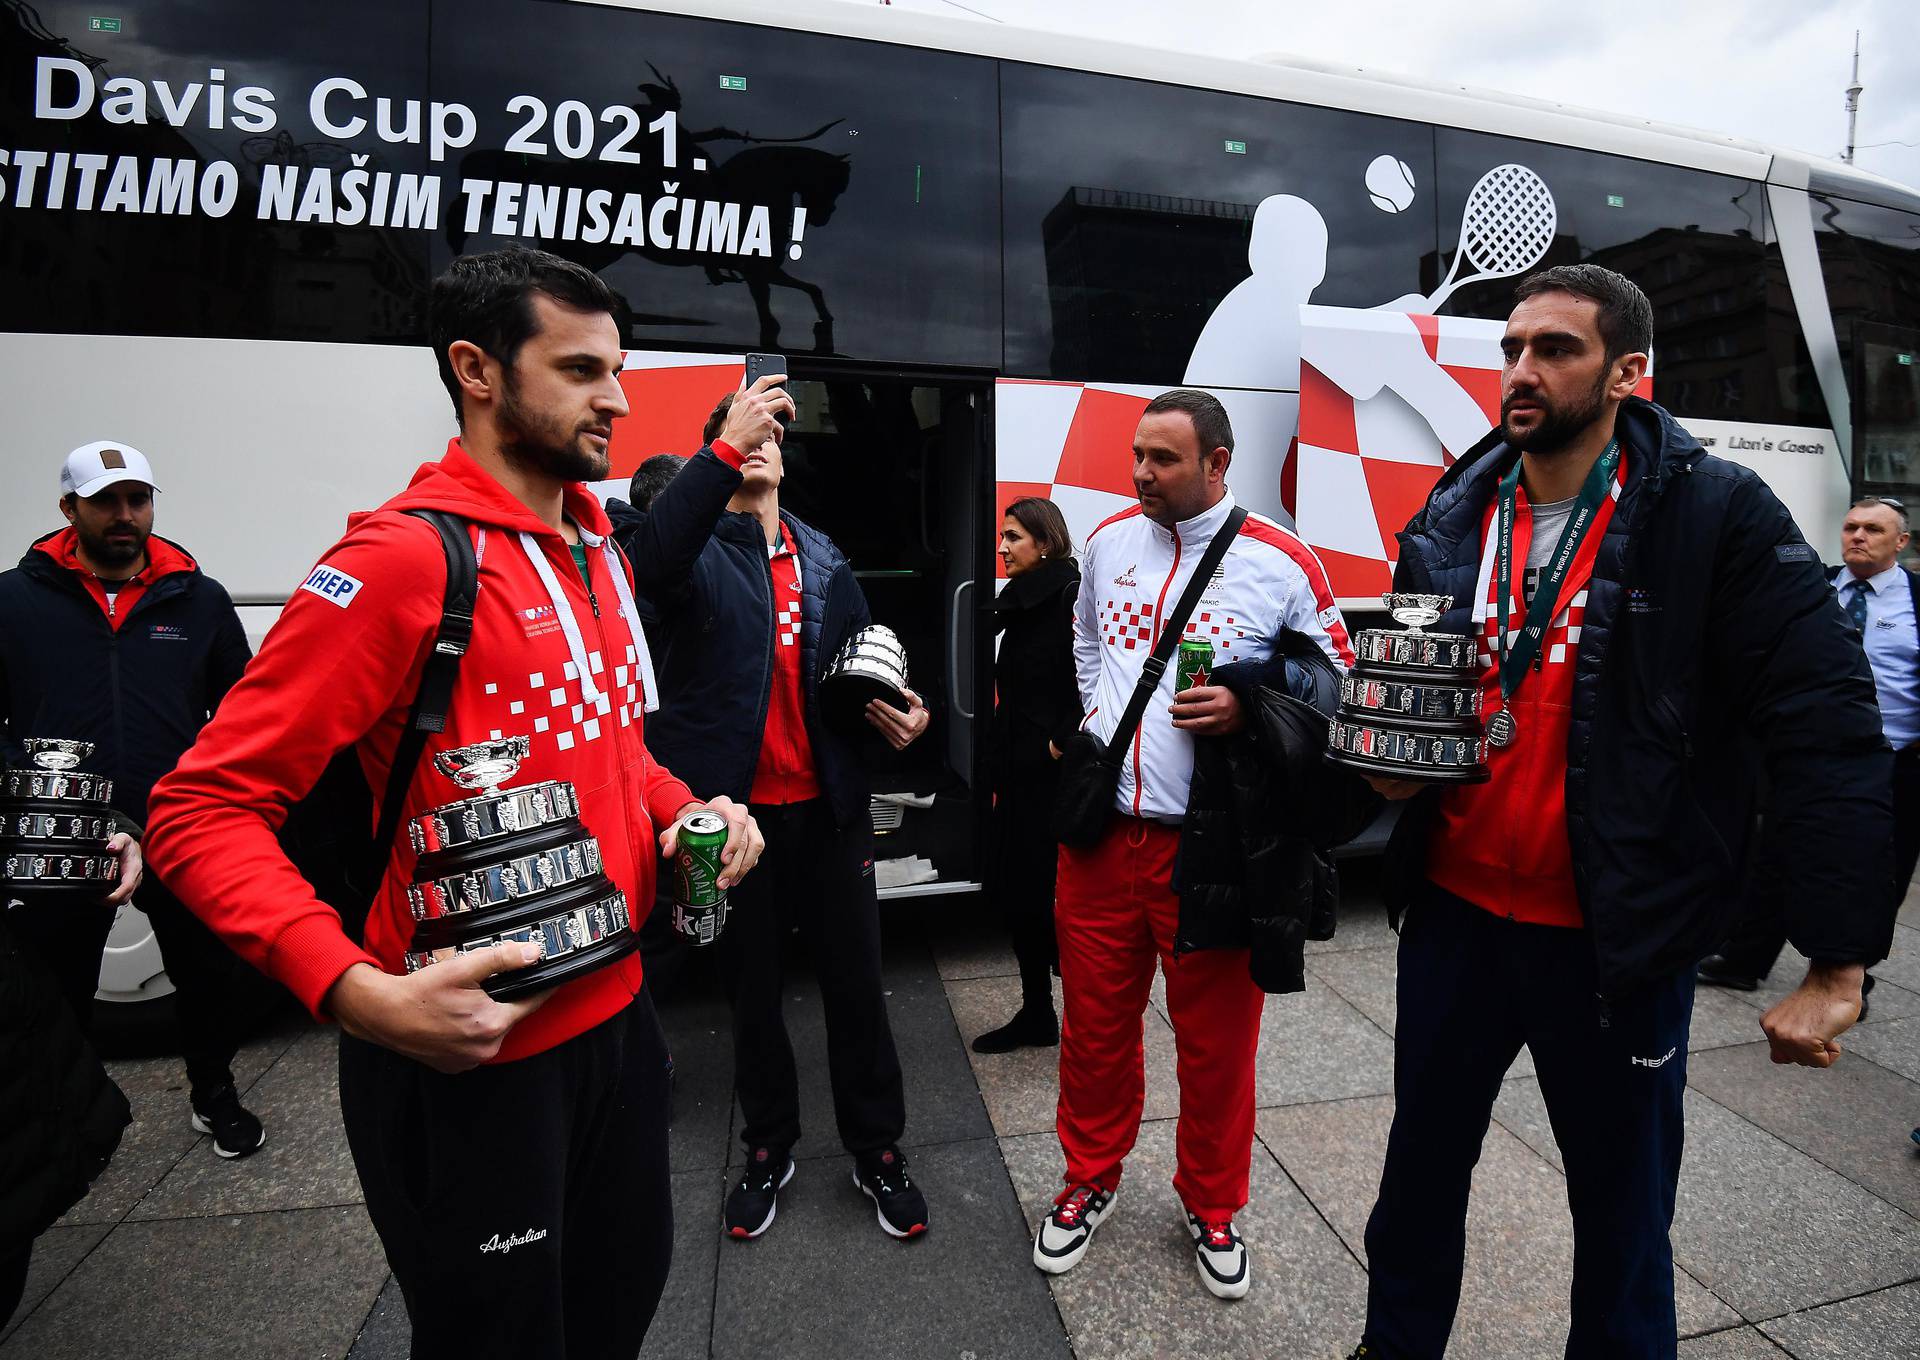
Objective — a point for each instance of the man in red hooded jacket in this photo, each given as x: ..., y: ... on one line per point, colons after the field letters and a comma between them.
x: 513, y: 1154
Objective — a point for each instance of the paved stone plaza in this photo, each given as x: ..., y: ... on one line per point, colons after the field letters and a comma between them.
x: 1798, y: 1230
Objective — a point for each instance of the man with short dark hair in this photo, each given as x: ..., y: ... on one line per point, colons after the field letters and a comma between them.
x: 1881, y: 599
x: 1117, y: 912
x: 513, y: 1153
x: 1652, y: 622
x: 754, y: 603
x: 113, y: 635
x: 651, y: 478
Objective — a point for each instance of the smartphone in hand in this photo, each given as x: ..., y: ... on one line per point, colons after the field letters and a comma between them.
x: 759, y: 366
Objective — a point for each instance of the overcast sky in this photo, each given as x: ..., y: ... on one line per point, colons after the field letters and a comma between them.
x: 1775, y: 71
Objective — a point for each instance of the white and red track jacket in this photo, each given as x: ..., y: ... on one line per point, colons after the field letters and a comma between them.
x: 551, y: 660
x: 1134, y: 573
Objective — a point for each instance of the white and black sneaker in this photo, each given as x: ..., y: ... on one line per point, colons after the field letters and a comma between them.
x: 236, y: 1132
x: 1066, y: 1230
x: 752, y: 1203
x: 1221, y: 1257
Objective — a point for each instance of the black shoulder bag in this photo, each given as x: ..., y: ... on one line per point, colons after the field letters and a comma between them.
x: 1089, y: 767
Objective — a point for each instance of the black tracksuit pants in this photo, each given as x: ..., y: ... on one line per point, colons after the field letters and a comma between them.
x: 819, y: 877
x: 1473, y: 987
x: 1758, y: 938
x: 525, y: 1207
x: 206, y: 975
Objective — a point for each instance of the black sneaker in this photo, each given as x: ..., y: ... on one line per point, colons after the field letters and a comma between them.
x: 1717, y: 970
x: 236, y: 1133
x: 752, y: 1203
x: 1028, y: 1029
x: 897, y: 1201
x: 1068, y: 1227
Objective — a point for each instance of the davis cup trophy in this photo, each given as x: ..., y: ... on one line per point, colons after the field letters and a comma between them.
x: 54, y: 826
x: 512, y: 864
x: 869, y: 665
x: 1410, y: 708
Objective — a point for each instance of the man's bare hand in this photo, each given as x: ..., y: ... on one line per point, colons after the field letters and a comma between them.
x: 753, y: 418
x: 441, y: 1015
x: 1803, y: 1027
x: 1394, y: 790
x: 132, y: 866
x: 744, y: 841
x: 1208, y: 711
x: 897, y: 727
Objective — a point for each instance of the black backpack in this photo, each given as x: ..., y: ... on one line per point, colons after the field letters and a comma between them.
x: 326, y: 833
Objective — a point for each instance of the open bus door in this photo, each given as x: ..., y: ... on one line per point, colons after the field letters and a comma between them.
x: 896, y: 467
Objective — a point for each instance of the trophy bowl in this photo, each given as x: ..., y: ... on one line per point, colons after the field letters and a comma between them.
x: 55, y: 823
x: 1410, y: 708
x: 870, y: 665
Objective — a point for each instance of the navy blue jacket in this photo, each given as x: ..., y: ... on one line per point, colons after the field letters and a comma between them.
x: 141, y: 694
x: 1712, y: 648
x: 707, y: 583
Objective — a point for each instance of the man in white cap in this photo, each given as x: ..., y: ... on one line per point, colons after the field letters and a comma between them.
x: 112, y: 635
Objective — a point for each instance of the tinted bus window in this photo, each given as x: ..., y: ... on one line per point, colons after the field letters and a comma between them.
x: 1870, y: 261
x: 743, y: 188
x: 1694, y: 242
x: 1130, y: 210
x: 137, y: 160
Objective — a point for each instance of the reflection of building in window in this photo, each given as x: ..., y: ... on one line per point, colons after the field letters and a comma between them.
x: 1132, y: 278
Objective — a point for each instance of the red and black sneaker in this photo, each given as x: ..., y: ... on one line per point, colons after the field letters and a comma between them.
x: 752, y: 1203
x: 1066, y: 1230
x: 897, y: 1201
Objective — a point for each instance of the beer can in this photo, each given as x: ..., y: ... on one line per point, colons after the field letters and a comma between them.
x: 1192, y: 665
x: 699, y: 902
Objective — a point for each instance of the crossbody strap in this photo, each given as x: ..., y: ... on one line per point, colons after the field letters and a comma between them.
x: 1171, y: 627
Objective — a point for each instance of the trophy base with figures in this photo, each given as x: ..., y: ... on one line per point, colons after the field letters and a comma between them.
x: 517, y: 865
x: 54, y: 826
x: 1410, y: 708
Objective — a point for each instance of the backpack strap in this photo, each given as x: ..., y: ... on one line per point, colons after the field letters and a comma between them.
x: 435, y: 696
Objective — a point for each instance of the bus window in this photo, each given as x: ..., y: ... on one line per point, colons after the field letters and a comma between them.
x: 1130, y: 215
x: 790, y: 191
x: 1695, y: 242
x: 1870, y: 262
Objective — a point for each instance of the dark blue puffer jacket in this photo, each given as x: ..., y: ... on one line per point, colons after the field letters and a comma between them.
x: 1712, y: 648
x: 705, y: 580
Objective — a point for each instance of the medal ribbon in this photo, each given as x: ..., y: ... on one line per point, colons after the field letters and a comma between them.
x: 1525, y: 650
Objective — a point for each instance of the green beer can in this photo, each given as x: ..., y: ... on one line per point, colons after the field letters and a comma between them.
x: 699, y: 902
x: 1192, y: 665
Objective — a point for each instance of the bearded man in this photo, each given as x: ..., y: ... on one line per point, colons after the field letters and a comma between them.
x: 1654, y: 626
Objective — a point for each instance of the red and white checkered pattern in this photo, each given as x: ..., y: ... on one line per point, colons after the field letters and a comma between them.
x: 551, y: 707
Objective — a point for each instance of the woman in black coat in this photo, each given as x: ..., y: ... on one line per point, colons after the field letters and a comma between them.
x: 1038, y: 703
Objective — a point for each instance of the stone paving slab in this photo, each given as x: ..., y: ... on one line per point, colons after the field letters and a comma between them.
x: 244, y: 1286
x: 1315, y: 1046
x: 683, y: 1324
x: 1365, y: 979
x: 700, y: 1038
x: 1763, y: 1225
x: 1854, y: 1117
x: 1884, y: 1323
x: 1022, y: 1089
x: 825, y: 1281
x: 386, y: 1334
x: 1137, y: 1293
x: 1514, y: 1293
x: 971, y: 947
x: 1736, y: 1343
x: 55, y: 1254
x: 1893, y: 1044
x: 305, y: 1163
x: 1902, y: 964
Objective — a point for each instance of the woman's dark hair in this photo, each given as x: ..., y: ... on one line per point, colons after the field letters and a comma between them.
x: 1042, y: 520
x: 487, y: 300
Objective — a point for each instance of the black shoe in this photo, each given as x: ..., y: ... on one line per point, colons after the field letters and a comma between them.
x: 1716, y: 970
x: 897, y: 1201
x: 1027, y: 1029
x: 752, y: 1203
x: 236, y: 1133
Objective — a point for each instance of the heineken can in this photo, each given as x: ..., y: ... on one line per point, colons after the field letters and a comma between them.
x: 699, y: 902
x: 1192, y: 665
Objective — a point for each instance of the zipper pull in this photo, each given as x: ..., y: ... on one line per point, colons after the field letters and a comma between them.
x: 1606, y: 1011
x: 593, y: 600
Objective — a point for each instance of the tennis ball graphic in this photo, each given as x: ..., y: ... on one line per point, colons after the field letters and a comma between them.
x: 1389, y: 184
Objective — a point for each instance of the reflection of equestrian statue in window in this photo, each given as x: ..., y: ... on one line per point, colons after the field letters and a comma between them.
x: 741, y: 217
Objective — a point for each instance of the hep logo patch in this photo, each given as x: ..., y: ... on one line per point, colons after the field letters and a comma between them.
x: 335, y: 587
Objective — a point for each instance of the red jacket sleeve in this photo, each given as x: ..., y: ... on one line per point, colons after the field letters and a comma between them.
x: 339, y: 667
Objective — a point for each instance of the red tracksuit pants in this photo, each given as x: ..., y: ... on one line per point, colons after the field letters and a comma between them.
x: 1116, y: 913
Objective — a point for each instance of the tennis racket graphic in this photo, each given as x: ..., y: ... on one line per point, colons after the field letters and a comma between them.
x: 1507, y: 226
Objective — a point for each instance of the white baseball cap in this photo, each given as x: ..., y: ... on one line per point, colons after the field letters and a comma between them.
x: 92, y: 468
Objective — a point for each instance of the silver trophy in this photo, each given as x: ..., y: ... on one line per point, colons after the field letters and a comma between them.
x: 869, y: 665
x: 54, y: 825
x: 1410, y: 709
x: 512, y: 864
